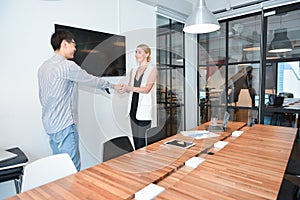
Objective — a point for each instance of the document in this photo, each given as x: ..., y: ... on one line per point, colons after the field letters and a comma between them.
x: 199, y: 134
x: 149, y: 192
x: 236, y: 133
x: 220, y: 144
x: 194, y: 162
x: 180, y: 143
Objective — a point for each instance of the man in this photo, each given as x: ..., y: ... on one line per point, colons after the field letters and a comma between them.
x: 58, y: 78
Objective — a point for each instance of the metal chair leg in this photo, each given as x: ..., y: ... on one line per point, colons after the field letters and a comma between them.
x: 18, y: 184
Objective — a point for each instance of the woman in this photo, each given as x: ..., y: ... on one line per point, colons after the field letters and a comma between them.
x: 140, y: 87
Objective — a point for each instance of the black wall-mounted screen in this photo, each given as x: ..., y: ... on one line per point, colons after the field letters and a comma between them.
x: 100, y: 54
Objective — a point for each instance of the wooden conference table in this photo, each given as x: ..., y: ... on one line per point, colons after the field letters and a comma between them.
x: 251, y: 165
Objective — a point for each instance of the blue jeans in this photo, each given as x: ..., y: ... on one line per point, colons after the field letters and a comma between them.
x: 66, y: 141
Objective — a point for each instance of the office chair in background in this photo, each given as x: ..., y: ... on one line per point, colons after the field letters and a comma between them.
x: 287, y: 116
x: 46, y: 170
x: 279, y: 118
x: 290, y: 187
x: 116, y: 147
x: 155, y: 134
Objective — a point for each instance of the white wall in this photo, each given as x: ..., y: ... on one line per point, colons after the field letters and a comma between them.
x: 191, y: 107
x: 25, y: 44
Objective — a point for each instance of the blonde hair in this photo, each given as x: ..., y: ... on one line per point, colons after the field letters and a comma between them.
x: 147, y: 49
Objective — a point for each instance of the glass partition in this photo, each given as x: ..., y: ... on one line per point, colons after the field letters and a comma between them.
x: 283, y: 32
x: 244, y: 39
x: 282, y: 59
x: 283, y: 51
x: 229, y: 70
x: 239, y: 73
x: 211, y: 80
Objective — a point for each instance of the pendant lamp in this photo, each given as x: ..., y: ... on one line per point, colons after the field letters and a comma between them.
x: 280, y: 42
x: 201, y: 20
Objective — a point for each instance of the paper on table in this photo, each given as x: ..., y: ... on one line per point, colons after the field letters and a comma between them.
x: 149, y: 192
x: 236, y: 133
x: 220, y: 144
x: 199, y: 134
x: 194, y: 162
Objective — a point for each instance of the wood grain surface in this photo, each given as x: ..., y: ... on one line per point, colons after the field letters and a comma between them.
x: 249, y: 167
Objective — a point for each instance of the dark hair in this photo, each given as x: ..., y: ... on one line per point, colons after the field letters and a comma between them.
x: 249, y: 69
x: 59, y: 36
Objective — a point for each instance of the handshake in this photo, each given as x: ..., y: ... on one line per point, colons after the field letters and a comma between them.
x: 121, y: 88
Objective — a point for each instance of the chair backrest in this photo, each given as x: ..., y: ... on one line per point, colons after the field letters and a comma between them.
x: 278, y: 101
x: 154, y: 134
x: 46, y: 170
x: 116, y: 147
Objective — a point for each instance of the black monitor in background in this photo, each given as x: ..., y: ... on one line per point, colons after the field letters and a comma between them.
x: 99, y: 53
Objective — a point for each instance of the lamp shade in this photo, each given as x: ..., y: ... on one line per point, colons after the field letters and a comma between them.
x: 201, y: 20
x: 280, y: 42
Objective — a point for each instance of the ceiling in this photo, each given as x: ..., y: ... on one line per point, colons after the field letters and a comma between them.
x: 222, y: 8
x: 222, y: 5
x: 186, y: 6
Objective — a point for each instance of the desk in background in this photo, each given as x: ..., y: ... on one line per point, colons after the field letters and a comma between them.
x: 290, y: 105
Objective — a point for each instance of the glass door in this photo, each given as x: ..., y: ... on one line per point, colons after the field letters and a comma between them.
x: 170, y: 64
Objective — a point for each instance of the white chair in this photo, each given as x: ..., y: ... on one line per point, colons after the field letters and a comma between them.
x: 47, y: 169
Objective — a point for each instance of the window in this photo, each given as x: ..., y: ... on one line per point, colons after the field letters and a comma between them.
x: 288, y: 79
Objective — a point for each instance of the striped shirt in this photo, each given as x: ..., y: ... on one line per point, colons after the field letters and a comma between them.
x: 58, y: 78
